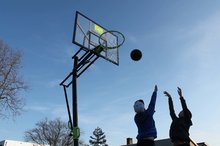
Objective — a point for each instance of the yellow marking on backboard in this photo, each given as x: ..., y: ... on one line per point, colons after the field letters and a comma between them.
x: 98, y: 29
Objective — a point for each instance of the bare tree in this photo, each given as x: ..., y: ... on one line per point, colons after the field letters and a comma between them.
x: 53, y: 132
x: 10, y: 82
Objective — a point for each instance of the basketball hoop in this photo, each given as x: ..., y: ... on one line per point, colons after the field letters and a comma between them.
x: 111, y: 39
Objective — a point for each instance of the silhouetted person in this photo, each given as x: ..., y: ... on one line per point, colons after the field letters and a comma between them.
x: 144, y: 120
x: 179, y: 129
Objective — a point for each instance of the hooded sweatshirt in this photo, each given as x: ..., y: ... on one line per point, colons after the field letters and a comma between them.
x: 145, y: 122
x: 179, y: 129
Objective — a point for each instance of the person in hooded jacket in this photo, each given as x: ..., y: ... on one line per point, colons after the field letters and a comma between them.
x: 179, y: 128
x: 145, y: 122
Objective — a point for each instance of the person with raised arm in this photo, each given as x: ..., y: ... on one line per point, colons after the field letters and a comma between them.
x: 179, y: 128
x: 145, y: 122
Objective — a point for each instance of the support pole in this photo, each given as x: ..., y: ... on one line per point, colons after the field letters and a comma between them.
x: 74, y: 98
x: 70, y: 124
x: 79, y: 66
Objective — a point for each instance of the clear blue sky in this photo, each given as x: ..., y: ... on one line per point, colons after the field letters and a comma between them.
x: 180, y: 45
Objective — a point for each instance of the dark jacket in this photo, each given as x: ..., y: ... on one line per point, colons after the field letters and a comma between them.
x: 179, y: 129
x: 145, y: 121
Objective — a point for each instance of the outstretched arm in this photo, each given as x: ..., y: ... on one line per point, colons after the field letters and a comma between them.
x: 183, y: 103
x: 170, y: 101
x: 151, y: 106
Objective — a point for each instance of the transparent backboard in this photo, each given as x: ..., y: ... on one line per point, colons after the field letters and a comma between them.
x: 87, y: 35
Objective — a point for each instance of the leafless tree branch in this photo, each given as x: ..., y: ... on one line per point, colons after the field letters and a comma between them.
x: 10, y: 82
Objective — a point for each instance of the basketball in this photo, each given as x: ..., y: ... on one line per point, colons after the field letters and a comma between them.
x: 136, y: 55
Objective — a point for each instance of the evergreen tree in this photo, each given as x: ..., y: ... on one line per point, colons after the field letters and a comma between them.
x: 99, y: 138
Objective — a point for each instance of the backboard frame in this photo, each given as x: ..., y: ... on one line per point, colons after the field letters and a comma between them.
x: 89, y: 34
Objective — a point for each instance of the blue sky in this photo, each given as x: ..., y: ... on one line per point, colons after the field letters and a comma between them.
x: 180, y: 45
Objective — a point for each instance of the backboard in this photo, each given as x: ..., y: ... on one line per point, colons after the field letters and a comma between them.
x: 87, y: 34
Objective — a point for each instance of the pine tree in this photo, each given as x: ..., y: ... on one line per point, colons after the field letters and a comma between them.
x: 99, y: 138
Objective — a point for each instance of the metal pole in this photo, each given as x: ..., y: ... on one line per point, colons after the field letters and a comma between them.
x: 68, y: 108
x: 74, y: 98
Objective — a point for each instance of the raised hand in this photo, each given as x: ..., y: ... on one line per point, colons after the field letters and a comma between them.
x: 167, y: 94
x: 155, y: 88
x: 179, y: 91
